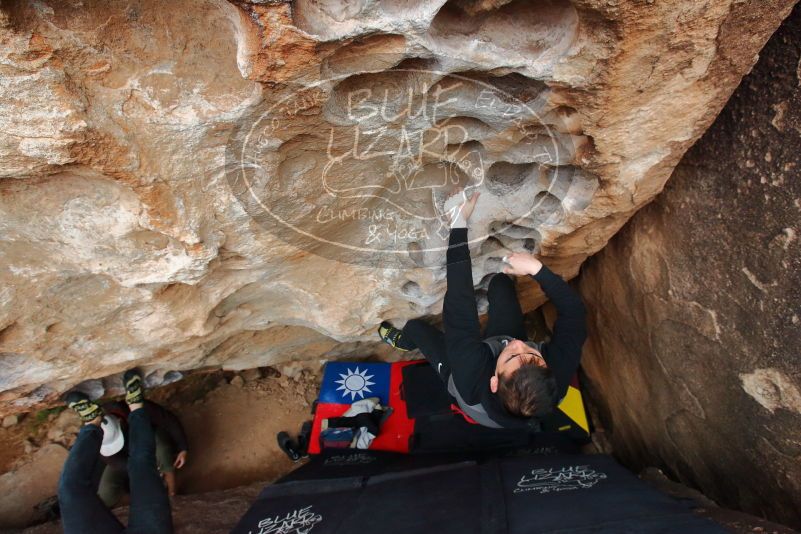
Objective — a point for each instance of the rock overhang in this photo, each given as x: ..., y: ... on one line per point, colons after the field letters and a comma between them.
x: 182, y: 179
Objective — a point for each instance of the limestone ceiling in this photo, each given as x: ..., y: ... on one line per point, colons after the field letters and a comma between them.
x: 189, y: 184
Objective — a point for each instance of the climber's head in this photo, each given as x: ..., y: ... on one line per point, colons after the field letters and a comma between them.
x: 523, y: 381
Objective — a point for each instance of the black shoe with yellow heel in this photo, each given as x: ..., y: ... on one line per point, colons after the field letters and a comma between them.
x: 134, y: 386
x: 83, y: 406
x: 391, y: 335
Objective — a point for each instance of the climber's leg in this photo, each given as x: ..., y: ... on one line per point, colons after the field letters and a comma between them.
x: 431, y: 342
x: 150, y: 504
x: 165, y: 459
x: 81, y: 509
x: 505, y: 318
x: 113, y: 485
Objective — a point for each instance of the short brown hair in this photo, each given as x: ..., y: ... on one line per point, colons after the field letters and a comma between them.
x: 529, y: 391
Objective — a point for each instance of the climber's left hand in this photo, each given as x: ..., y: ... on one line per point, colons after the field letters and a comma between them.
x: 461, y: 214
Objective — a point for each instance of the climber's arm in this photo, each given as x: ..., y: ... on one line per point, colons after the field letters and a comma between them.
x: 563, y: 352
x: 467, y: 354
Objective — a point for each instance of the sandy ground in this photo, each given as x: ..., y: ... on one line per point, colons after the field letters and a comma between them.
x: 232, y: 426
x: 231, y: 421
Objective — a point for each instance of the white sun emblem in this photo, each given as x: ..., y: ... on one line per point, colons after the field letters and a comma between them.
x: 355, y: 383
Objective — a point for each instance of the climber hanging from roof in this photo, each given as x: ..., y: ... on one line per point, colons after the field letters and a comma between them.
x: 171, y: 446
x: 498, y: 379
x: 82, y: 509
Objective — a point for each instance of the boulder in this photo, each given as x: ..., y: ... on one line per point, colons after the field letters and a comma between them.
x: 32, y: 482
x: 9, y: 421
x: 694, y: 306
x: 194, y: 184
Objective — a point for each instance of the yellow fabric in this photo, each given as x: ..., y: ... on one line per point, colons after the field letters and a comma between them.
x: 573, y: 407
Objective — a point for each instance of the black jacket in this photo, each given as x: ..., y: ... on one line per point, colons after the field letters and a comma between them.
x: 472, y: 361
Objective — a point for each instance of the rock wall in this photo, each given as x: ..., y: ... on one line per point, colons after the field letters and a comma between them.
x: 694, y: 305
x: 197, y: 184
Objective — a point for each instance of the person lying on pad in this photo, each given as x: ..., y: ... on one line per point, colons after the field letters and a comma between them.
x: 498, y: 379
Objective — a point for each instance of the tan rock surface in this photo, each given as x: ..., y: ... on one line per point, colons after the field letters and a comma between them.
x: 694, y: 306
x: 30, y: 484
x: 148, y: 151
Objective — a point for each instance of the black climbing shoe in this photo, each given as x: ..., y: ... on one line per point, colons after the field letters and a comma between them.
x: 134, y: 386
x: 84, y: 407
x: 49, y: 509
x: 304, y: 438
x: 288, y: 445
x: 390, y: 335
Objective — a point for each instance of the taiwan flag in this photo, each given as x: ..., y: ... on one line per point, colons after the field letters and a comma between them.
x: 346, y: 382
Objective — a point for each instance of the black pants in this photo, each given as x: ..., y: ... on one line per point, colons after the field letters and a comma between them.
x: 82, y: 511
x: 505, y: 318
